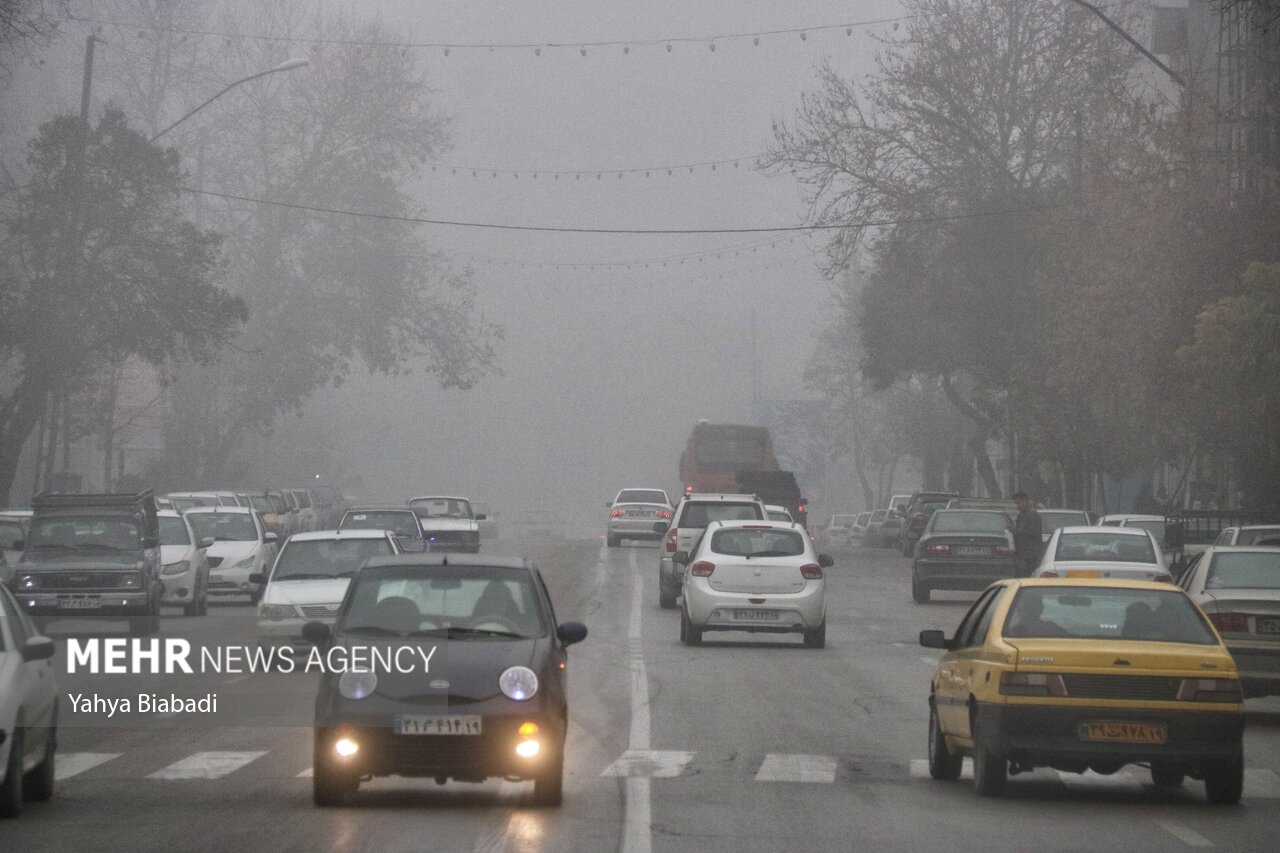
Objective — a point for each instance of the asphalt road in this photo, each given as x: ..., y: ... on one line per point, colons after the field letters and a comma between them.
x: 739, y: 745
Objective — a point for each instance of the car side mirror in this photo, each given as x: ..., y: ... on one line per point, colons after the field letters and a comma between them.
x: 661, y: 527
x: 934, y: 639
x: 316, y: 633
x: 38, y: 648
x: 481, y: 517
x: 825, y: 561
x: 150, y: 542
x: 206, y: 542
x: 681, y: 557
x: 571, y: 632
x: 272, y: 537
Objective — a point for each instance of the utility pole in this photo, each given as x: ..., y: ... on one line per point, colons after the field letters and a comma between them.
x: 755, y: 370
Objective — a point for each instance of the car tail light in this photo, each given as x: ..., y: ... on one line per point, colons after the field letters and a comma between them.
x: 811, y: 571
x: 937, y: 549
x: 702, y: 569
x: 1032, y: 684
x: 1210, y: 690
x: 662, y: 513
x: 617, y: 513
x: 1234, y: 623
x: 688, y: 490
x: 1002, y: 550
x: 671, y: 540
x: 800, y: 508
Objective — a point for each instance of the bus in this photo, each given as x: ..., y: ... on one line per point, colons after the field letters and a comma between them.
x: 715, y: 453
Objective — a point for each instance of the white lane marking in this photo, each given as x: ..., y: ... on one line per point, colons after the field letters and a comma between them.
x: 1122, y: 780
x: 781, y: 767
x: 70, y: 764
x: 206, y: 765
x: 649, y: 764
x: 306, y: 774
x: 1261, y: 784
x: 920, y: 768
x: 637, y: 836
x: 1184, y: 834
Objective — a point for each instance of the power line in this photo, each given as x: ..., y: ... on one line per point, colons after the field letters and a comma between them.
x: 752, y: 162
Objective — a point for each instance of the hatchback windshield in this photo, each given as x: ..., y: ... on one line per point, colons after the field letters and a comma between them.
x: 173, y: 531
x: 641, y: 496
x: 326, y: 558
x: 459, y: 602
x: 1104, y: 546
x: 1098, y: 613
x: 441, y: 507
x: 1257, y: 570
x: 401, y: 523
x: 224, y: 526
x: 699, y: 515
x: 743, y: 542
x: 971, y: 521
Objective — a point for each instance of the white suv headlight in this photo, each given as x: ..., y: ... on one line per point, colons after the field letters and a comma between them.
x: 276, y: 612
x: 519, y: 683
x: 246, y: 563
x: 174, y: 568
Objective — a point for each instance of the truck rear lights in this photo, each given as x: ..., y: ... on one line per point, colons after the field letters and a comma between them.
x: 702, y: 569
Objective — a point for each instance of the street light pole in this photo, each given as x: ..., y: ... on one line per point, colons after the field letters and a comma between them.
x: 284, y: 66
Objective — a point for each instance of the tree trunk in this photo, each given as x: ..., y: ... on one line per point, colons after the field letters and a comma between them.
x: 16, y: 424
x: 978, y: 442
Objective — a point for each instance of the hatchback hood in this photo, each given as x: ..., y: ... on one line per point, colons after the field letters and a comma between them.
x: 174, y: 553
x: 1119, y: 657
x: 231, y: 552
x: 307, y: 591
x: 464, y: 671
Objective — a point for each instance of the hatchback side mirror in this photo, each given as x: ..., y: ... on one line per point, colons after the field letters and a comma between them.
x: 825, y: 561
x: 316, y: 633
x: 38, y: 648
x: 934, y: 639
x: 571, y: 632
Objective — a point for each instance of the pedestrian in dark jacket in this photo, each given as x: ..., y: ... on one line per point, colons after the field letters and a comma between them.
x: 1027, y: 538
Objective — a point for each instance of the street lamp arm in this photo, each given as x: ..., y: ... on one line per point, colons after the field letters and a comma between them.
x: 1173, y: 75
x: 284, y: 66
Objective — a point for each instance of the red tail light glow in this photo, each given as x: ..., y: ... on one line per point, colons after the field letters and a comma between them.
x: 941, y: 550
x: 617, y: 513
x: 800, y: 508
x: 1234, y: 623
x: 811, y: 571
x: 662, y: 513
x: 702, y: 569
x: 688, y: 489
x: 671, y: 540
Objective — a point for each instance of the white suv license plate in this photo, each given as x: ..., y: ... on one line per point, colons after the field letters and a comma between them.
x: 756, y: 615
x: 417, y: 724
x: 80, y: 603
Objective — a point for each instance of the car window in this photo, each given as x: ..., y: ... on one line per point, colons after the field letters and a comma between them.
x: 17, y: 626
x: 699, y: 515
x: 977, y: 635
x: 1100, y: 546
x: 1224, y: 538
x: 1256, y: 570
x: 224, y: 526
x: 863, y: 518
x: 431, y: 600
x: 1051, y: 521
x: 10, y: 534
x: 110, y: 533
x: 399, y: 523
x: 1188, y: 573
x: 173, y: 531
x: 842, y: 520
x: 307, y: 558
x: 742, y: 542
x: 304, y: 499
x: 1107, y: 613
x: 774, y: 515
x: 969, y: 521
x: 970, y: 619
x: 1256, y: 537
x: 1154, y: 527
x: 641, y: 496
x: 441, y: 508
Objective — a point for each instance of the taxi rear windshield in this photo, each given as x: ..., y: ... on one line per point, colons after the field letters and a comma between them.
x: 1100, y: 613
x: 1256, y: 570
x: 1105, y: 547
x: 699, y: 515
x: 757, y: 543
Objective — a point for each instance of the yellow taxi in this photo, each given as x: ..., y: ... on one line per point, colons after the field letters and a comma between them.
x: 1086, y: 674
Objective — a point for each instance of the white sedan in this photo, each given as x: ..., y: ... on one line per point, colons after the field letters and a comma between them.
x: 241, y: 547
x: 184, y: 570
x: 1129, y: 553
x: 28, y: 710
x: 758, y: 576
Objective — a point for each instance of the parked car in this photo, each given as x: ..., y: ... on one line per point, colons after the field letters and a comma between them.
x: 920, y: 508
x: 269, y: 507
x: 1253, y: 534
x: 858, y: 529
x: 836, y: 531
x: 1083, y: 675
x: 761, y: 577
x: 894, y: 517
x: 499, y: 708
x: 961, y: 549
x: 632, y: 515
x: 184, y: 569
x: 183, y: 501
x: 486, y: 521
x: 779, y: 513
x: 1238, y: 587
x: 871, y: 533
x: 692, y: 515
x: 449, y: 523
x: 308, y: 517
x: 1103, y: 552
x: 402, y: 521
x: 1153, y: 524
x: 241, y: 547
x: 28, y: 710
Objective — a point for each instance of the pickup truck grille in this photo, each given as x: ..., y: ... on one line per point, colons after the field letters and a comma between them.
x: 86, y: 580
x: 448, y: 535
x: 1152, y: 687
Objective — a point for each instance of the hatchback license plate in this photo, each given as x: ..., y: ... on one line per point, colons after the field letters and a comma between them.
x: 80, y: 603
x: 1265, y: 625
x: 756, y: 615
x: 468, y: 724
x: 1104, y: 730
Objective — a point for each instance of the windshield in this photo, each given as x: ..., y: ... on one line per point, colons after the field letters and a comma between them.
x: 262, y: 504
x: 10, y: 534
x: 1105, y: 546
x: 173, y: 532
x: 740, y: 542
x: 224, y: 526
x: 699, y: 515
x: 399, y: 522
x: 460, y: 602
x: 326, y: 558
x: 1155, y: 527
x: 110, y: 533
x: 863, y: 518
x: 1098, y: 613
x: 1257, y: 570
x: 441, y: 507
x: 779, y: 515
x: 1258, y: 535
x: 842, y: 520
x: 947, y: 521
x: 1051, y: 521
x: 641, y: 496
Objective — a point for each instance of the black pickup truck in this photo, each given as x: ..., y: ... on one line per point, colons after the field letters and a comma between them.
x: 92, y: 556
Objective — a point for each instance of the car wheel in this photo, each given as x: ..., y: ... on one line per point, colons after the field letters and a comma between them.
x: 666, y: 597
x: 990, y: 771
x: 192, y: 608
x: 689, y: 635
x: 817, y: 638
x: 11, y: 790
x: 920, y: 592
x: 548, y: 786
x: 1224, y: 781
x: 906, y: 547
x: 943, y: 765
x: 611, y: 540
x: 1166, y: 776
x: 329, y: 785
x: 38, y: 786
x: 204, y: 601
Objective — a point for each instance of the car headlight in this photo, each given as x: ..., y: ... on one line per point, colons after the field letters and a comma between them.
x: 130, y: 582
x: 246, y: 563
x: 28, y: 582
x: 357, y: 685
x: 276, y: 612
x: 174, y: 568
x: 519, y: 683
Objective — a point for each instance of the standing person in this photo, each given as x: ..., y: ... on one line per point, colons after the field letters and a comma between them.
x: 1027, y: 538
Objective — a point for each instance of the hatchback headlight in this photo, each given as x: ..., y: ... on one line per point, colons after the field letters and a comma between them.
x: 246, y: 563
x: 174, y: 568
x: 357, y: 685
x: 276, y: 612
x: 519, y: 683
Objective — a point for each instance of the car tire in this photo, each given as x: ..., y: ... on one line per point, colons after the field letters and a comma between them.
x: 204, y: 601
x: 611, y: 540
x: 689, y: 635
x: 11, y: 789
x: 1224, y: 781
x: 920, y: 592
x: 1166, y: 776
x: 329, y: 786
x: 817, y: 638
x: 666, y: 597
x: 906, y: 547
x: 548, y: 786
x: 38, y: 786
x: 943, y: 764
x: 990, y: 771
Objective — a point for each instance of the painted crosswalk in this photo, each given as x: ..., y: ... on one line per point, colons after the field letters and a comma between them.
x: 206, y: 765
x: 778, y: 767
x: 68, y: 765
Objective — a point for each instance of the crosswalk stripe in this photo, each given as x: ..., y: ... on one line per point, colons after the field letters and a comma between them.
x: 68, y: 764
x: 206, y: 765
x: 1261, y: 784
x: 649, y: 764
x: 1185, y: 834
x: 306, y: 774
x: 780, y: 767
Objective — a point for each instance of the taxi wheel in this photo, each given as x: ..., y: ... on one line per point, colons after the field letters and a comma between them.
x: 990, y: 771
x: 943, y: 765
x: 1165, y: 776
x: 204, y: 601
x: 11, y: 790
x: 1224, y: 781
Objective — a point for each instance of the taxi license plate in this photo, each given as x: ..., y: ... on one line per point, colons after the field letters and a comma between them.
x: 80, y: 603
x: 1083, y: 573
x: 417, y: 724
x: 1263, y: 625
x: 1118, y: 732
x: 756, y: 615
